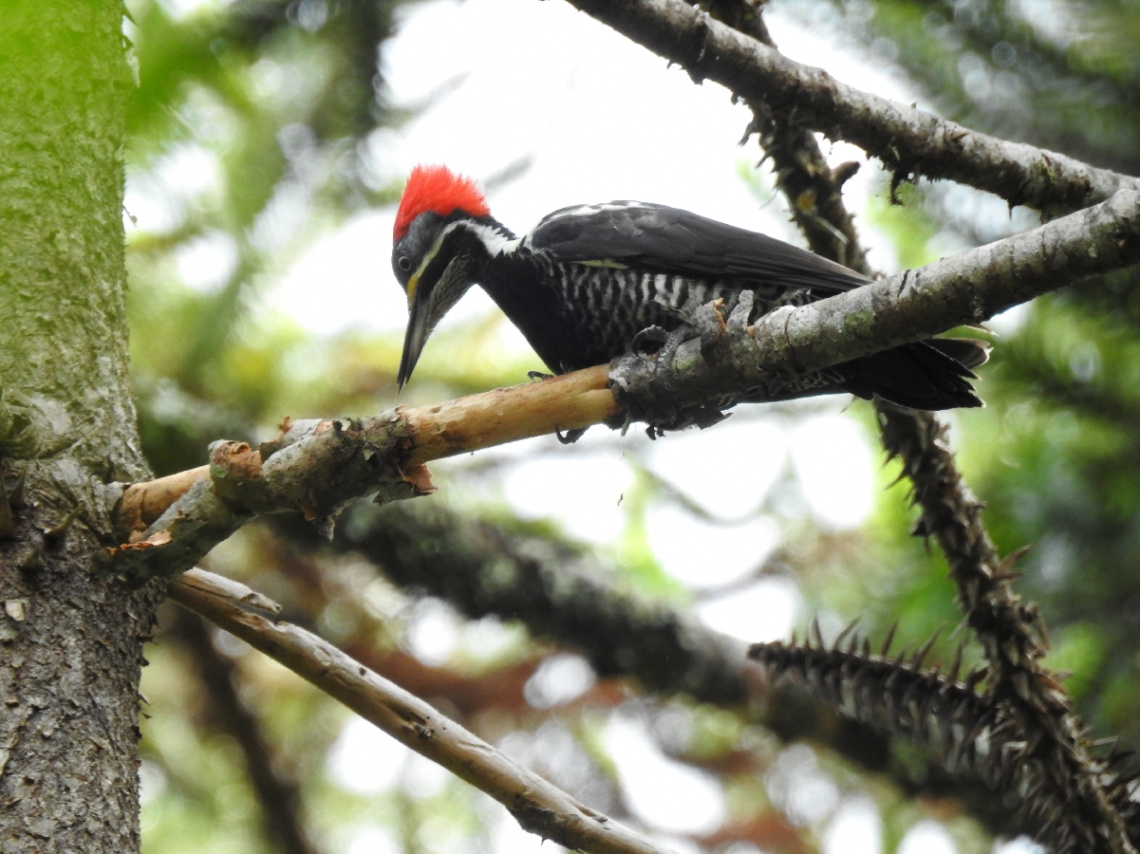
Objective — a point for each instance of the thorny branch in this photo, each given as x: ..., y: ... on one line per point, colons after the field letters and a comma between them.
x: 1088, y: 812
x: 970, y: 731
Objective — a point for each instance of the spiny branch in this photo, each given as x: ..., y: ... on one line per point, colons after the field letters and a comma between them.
x: 1089, y: 814
x: 897, y: 695
x: 970, y: 731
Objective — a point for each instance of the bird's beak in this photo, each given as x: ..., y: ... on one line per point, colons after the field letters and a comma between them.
x: 415, y: 336
x: 426, y: 307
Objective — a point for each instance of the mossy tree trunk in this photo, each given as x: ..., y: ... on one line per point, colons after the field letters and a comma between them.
x: 70, y: 644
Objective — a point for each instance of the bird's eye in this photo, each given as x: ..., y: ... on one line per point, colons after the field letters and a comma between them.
x: 404, y: 263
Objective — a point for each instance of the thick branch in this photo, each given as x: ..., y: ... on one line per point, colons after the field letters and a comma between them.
x: 906, y: 139
x: 726, y: 362
x: 538, y: 806
x: 317, y: 467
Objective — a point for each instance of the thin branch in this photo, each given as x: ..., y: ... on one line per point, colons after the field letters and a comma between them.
x: 907, y: 140
x: 538, y: 806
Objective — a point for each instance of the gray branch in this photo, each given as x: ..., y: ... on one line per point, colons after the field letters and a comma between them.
x: 907, y: 140
x: 717, y: 362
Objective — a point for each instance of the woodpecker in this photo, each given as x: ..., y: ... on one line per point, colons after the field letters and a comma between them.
x: 588, y: 279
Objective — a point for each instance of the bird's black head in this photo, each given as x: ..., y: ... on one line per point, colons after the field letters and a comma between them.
x: 431, y: 261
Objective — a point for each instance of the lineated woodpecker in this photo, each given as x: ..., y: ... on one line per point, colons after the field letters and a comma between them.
x: 588, y: 279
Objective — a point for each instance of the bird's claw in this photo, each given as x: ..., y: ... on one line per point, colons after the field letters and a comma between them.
x: 649, y: 335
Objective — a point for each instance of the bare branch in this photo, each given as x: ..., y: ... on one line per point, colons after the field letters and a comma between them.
x: 538, y: 806
x: 317, y: 467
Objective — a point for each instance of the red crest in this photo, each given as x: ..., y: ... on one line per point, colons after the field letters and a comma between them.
x: 438, y: 189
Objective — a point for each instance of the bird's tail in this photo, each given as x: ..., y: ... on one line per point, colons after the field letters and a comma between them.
x: 929, y: 375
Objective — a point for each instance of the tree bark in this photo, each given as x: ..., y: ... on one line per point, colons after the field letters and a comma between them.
x: 70, y: 644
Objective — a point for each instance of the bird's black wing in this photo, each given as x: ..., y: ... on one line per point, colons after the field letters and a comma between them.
x: 668, y: 240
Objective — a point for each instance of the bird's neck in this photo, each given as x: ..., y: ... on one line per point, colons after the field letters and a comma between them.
x: 486, y: 238
x: 527, y: 286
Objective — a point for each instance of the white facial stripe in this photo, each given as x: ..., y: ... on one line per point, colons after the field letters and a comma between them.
x: 492, y: 238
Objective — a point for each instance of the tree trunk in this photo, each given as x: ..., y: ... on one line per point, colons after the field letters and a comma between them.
x: 70, y: 644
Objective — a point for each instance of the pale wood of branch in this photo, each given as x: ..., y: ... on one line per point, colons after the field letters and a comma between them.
x: 442, y: 430
x: 562, y: 403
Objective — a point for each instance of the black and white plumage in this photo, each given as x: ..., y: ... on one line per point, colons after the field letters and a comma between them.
x: 588, y: 279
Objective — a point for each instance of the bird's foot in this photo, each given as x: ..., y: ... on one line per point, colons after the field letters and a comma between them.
x: 794, y: 297
x: 570, y: 436
x: 653, y: 335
